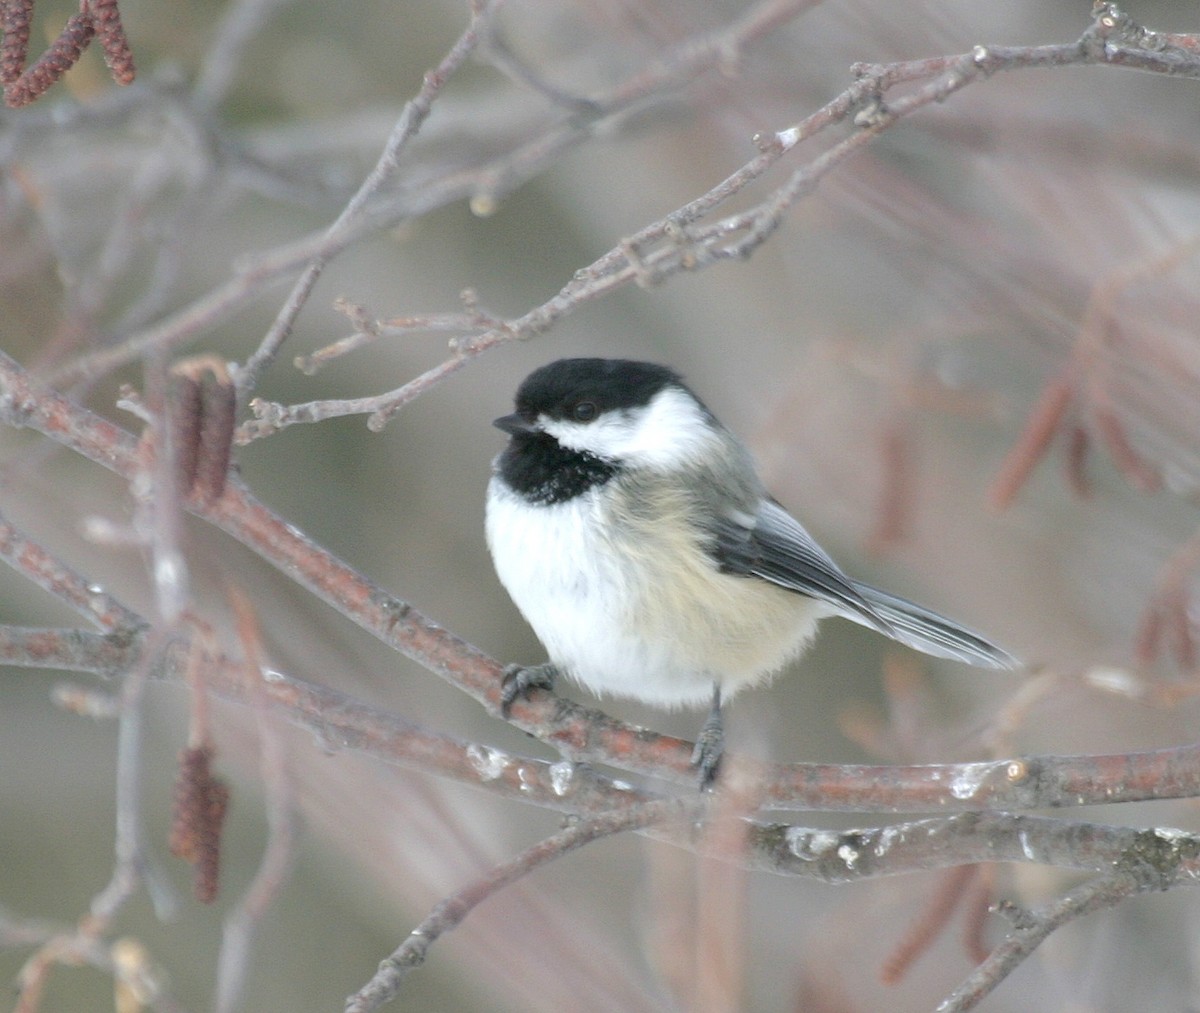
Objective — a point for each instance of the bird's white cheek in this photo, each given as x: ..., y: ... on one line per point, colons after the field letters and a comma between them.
x: 669, y: 432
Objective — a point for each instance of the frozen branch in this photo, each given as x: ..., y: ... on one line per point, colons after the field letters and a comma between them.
x: 586, y: 735
x: 120, y: 270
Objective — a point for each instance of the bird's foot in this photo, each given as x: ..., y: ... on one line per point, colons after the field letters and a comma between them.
x: 520, y: 680
x: 710, y: 745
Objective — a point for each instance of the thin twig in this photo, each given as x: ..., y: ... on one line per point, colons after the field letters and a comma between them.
x: 1084, y: 384
x: 90, y: 600
x: 240, y: 24
x: 245, y: 918
x: 416, y: 111
x: 938, y: 911
x: 508, y: 170
x: 69, y: 650
x: 449, y: 913
x: 1168, y: 611
x: 132, y: 866
x: 1031, y: 929
x: 676, y: 243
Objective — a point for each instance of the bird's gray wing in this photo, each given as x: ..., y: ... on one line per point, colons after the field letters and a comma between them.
x: 774, y: 546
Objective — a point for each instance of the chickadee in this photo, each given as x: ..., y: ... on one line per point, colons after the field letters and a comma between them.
x: 633, y: 532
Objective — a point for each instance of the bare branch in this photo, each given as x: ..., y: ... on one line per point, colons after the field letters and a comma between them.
x: 416, y: 111
x: 68, y: 650
x: 240, y: 23
x: 1083, y: 386
x: 106, y: 227
x: 1161, y: 857
x: 243, y: 921
x: 588, y: 735
x: 33, y: 561
x: 1029, y: 931
x: 677, y: 242
x: 450, y: 912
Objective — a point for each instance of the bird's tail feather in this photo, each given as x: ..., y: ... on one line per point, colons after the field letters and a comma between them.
x: 930, y: 633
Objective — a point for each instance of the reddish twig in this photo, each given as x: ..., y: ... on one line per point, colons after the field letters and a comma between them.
x: 1079, y: 442
x: 1084, y: 386
x: 243, y: 921
x: 1140, y: 473
x: 978, y: 907
x: 919, y: 936
x: 720, y: 915
x: 1168, y: 612
x: 69, y: 650
x: 1031, y: 446
x: 893, y: 518
x: 89, y: 599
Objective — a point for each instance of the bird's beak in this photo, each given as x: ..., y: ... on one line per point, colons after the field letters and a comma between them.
x: 514, y: 424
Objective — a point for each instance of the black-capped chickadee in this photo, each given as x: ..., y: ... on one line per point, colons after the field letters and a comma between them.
x: 633, y: 532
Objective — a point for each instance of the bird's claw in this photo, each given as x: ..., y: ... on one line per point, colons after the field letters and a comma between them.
x: 520, y: 680
x: 706, y: 756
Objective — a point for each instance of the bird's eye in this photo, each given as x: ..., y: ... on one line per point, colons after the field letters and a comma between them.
x: 585, y: 411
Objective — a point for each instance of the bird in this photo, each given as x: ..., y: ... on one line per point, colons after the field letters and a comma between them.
x: 635, y: 536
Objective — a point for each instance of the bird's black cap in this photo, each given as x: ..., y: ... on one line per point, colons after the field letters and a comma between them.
x: 558, y: 387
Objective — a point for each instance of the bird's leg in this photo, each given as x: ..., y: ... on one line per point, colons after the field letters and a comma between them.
x: 519, y: 680
x: 710, y: 743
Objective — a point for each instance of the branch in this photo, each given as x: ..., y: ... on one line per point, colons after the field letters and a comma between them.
x: 678, y: 242
x: 340, y: 722
x: 449, y: 913
x: 1031, y: 928
x: 1100, y: 46
x: 586, y: 735
x: 68, y: 650
x: 1082, y: 388
x: 971, y: 838
x: 1155, y: 859
x: 31, y: 560
x: 1144, y: 860
x: 243, y: 921
x: 416, y: 111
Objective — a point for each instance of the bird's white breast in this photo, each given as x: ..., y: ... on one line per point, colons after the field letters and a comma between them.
x: 591, y: 585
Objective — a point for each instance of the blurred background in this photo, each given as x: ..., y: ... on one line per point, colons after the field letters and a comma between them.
x: 881, y: 354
